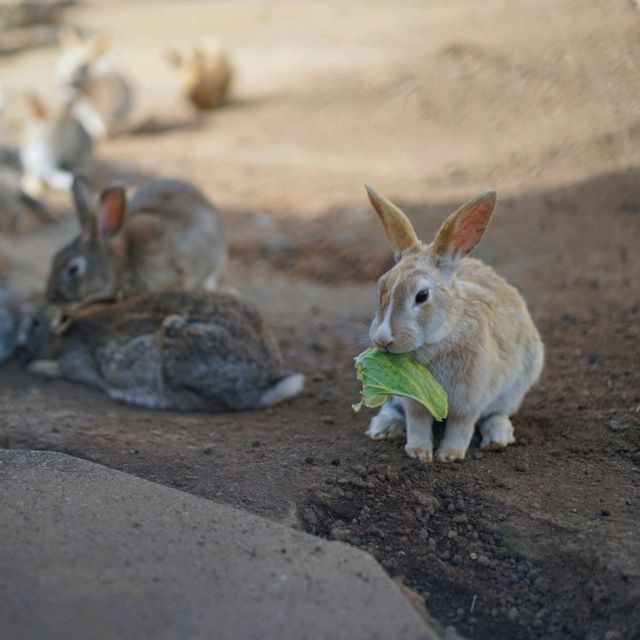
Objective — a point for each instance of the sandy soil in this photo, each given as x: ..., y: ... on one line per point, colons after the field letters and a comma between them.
x: 429, y: 102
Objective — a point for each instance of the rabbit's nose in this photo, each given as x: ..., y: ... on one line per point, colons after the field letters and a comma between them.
x: 383, y: 339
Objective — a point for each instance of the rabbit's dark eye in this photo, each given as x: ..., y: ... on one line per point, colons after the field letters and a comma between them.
x: 422, y: 296
x: 76, y: 267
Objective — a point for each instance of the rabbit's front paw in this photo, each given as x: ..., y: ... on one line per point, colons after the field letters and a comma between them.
x: 385, y: 427
x: 445, y: 454
x: 419, y: 452
x: 497, y: 432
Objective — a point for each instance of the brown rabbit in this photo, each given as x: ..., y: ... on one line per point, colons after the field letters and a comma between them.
x: 459, y: 318
x: 206, y: 74
x: 182, y: 350
x: 169, y: 236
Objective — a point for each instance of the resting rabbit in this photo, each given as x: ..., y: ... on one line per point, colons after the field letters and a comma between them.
x: 102, y: 96
x: 460, y: 319
x: 206, y: 74
x: 169, y: 236
x: 188, y: 351
x: 54, y: 145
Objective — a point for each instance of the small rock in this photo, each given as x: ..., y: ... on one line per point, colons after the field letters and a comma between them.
x: 361, y: 471
x: 255, y: 443
x: 456, y: 560
x: 521, y: 467
x: 460, y: 505
x: 135, y: 451
x: 445, y: 493
x: 335, y: 462
x: 605, y: 513
x: 473, y: 556
x: 340, y: 533
x: 431, y: 543
x: 309, y: 460
x: 513, y: 614
x: 616, y: 426
x: 483, y: 561
x: 477, y: 455
x: 460, y: 519
x: 612, y: 635
x: 452, y: 534
x: 479, y: 508
x: 207, y: 451
x: 538, y: 624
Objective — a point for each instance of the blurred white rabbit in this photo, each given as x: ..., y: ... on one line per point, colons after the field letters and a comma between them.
x: 53, y: 146
x: 88, y: 77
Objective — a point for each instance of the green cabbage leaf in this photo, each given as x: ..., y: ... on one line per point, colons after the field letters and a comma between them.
x: 385, y: 374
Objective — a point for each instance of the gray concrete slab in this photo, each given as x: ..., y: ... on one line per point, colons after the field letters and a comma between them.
x: 89, y: 552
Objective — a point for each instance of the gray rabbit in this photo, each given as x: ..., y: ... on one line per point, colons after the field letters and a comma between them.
x: 168, y: 237
x: 187, y: 351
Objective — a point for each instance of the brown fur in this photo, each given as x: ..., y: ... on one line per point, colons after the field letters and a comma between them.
x: 473, y: 331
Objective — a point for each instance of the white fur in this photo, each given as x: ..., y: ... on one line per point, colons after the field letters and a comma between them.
x: 288, y: 387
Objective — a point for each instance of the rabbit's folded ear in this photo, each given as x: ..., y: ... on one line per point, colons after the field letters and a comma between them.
x: 83, y: 200
x: 112, y: 208
x: 399, y: 230
x: 462, y: 230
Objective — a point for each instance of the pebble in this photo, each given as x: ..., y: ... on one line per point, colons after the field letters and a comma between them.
x: 616, y: 426
x: 513, y: 614
x: 483, y: 561
x: 477, y: 455
x: 460, y: 505
x: 460, y: 519
x: 255, y: 443
x: 473, y: 556
x: 479, y: 508
x: 431, y: 543
x: 612, y: 635
x: 445, y: 493
x: 521, y: 467
x: 452, y: 534
x: 207, y: 451
x: 335, y: 462
x: 456, y: 560
x: 309, y: 460
x: 605, y: 513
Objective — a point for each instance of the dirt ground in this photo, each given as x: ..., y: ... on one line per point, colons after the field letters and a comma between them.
x: 429, y: 102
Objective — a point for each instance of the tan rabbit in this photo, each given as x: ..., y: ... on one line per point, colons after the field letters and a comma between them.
x: 182, y: 350
x: 456, y: 316
x: 102, y: 96
x: 169, y: 236
x: 206, y: 74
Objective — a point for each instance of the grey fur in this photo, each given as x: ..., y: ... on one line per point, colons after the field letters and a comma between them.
x: 170, y: 350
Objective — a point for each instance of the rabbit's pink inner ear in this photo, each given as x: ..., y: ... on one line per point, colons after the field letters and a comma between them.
x: 112, y: 210
x: 473, y: 225
x: 462, y: 230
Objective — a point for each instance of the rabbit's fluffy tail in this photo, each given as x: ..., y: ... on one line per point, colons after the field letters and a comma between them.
x: 288, y: 387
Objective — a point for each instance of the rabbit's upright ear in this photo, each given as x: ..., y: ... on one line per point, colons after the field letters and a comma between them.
x: 98, y: 47
x: 112, y: 208
x: 37, y: 106
x: 462, y: 230
x: 83, y: 200
x: 396, y: 225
